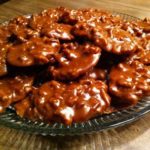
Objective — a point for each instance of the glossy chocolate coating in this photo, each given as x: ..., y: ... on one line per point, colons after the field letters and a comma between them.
x: 34, y: 51
x: 97, y: 73
x: 130, y: 82
x: 3, y: 54
x: 46, y: 17
x: 26, y: 107
x: 58, y: 31
x: 74, y: 60
x: 110, y: 38
x: 13, y: 90
x: 141, y: 55
x: 74, y: 55
x: 73, y: 102
x: 145, y: 42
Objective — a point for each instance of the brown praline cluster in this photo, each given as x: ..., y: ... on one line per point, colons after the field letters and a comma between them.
x: 64, y: 65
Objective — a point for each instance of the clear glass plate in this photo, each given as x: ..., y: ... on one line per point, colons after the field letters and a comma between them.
x: 119, y: 118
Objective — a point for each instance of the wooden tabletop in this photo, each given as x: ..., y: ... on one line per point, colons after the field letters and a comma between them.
x: 135, y: 136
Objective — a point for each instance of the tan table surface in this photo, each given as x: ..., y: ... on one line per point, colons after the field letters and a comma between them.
x: 135, y: 136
